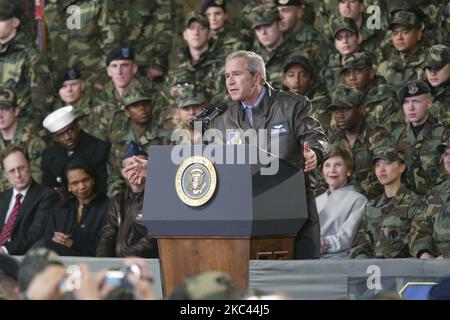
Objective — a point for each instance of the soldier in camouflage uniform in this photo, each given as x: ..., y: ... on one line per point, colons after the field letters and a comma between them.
x: 15, y: 132
x: 81, y: 33
x: 22, y: 68
x: 431, y: 229
x: 135, y: 123
x: 301, y: 77
x: 437, y: 71
x: 72, y: 91
x: 308, y: 39
x: 148, y: 28
x: 271, y: 43
x: 189, y: 103
x: 386, y: 224
x: 246, y: 19
x: 406, y: 62
x: 370, y: 36
x: 228, y: 40
x: 123, y: 73
x: 419, y: 138
x: 345, y: 33
x: 202, y: 61
x: 380, y: 102
x: 355, y: 133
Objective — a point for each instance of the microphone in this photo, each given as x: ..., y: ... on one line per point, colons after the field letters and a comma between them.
x: 209, y: 113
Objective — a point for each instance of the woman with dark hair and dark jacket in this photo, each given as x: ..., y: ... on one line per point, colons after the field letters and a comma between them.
x: 76, y: 224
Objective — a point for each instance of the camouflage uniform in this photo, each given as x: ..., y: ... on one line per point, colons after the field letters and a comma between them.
x: 363, y: 176
x: 25, y: 70
x: 148, y: 26
x: 229, y: 41
x: 380, y: 101
x: 431, y: 229
x: 422, y: 158
x: 385, y: 227
x: 108, y: 103
x: 206, y: 73
x: 86, y: 46
x: 400, y: 68
x: 317, y: 94
x: 438, y: 57
x: 331, y: 73
x: 26, y: 138
x: 122, y: 134
x: 296, y: 42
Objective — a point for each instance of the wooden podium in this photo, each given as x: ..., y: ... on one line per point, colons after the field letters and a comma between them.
x: 250, y: 217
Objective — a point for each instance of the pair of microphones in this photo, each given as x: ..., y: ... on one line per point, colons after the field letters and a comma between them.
x: 209, y: 113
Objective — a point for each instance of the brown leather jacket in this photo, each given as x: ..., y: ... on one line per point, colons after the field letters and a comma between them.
x: 124, y: 234
x: 282, y: 112
x: 288, y: 115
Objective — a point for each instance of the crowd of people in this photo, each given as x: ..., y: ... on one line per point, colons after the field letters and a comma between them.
x: 360, y: 103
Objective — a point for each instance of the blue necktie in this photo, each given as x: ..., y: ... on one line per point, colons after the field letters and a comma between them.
x: 249, y: 112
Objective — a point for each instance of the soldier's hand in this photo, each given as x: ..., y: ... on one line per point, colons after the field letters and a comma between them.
x: 310, y: 157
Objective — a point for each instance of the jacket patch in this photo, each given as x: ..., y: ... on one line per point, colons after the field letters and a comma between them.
x: 279, y: 128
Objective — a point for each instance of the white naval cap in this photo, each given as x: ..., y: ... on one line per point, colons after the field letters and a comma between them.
x: 59, y: 119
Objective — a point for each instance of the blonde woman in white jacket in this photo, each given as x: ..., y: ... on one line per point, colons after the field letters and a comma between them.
x: 340, y: 207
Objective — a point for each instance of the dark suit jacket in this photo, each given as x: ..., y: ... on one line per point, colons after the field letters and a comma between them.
x: 94, y: 151
x: 35, y: 212
x: 85, y: 235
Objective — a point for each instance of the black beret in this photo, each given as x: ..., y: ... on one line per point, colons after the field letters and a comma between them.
x: 413, y: 88
x: 122, y: 53
x: 214, y: 3
x: 67, y: 74
x: 289, y: 2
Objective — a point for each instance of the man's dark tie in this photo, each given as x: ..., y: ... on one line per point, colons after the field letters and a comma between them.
x: 8, y: 227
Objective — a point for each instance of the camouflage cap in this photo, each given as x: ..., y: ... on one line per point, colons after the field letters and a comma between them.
x: 406, y: 5
x: 413, y: 88
x: 209, y: 285
x: 122, y: 53
x: 9, y: 10
x: 406, y: 19
x: 67, y: 74
x: 302, y: 60
x: 186, y: 95
x: 34, y: 262
x: 437, y: 57
x: 345, y: 97
x: 8, y: 98
x: 357, y: 60
x: 445, y: 143
x: 389, y: 154
x: 135, y: 94
x: 214, y: 3
x: 264, y: 14
x: 9, y: 266
x: 197, y: 16
x: 341, y: 23
x: 289, y: 2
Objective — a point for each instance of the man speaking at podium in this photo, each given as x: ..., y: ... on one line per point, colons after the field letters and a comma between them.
x: 302, y: 142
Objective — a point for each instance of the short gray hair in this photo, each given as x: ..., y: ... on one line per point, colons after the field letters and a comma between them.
x: 255, y: 62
